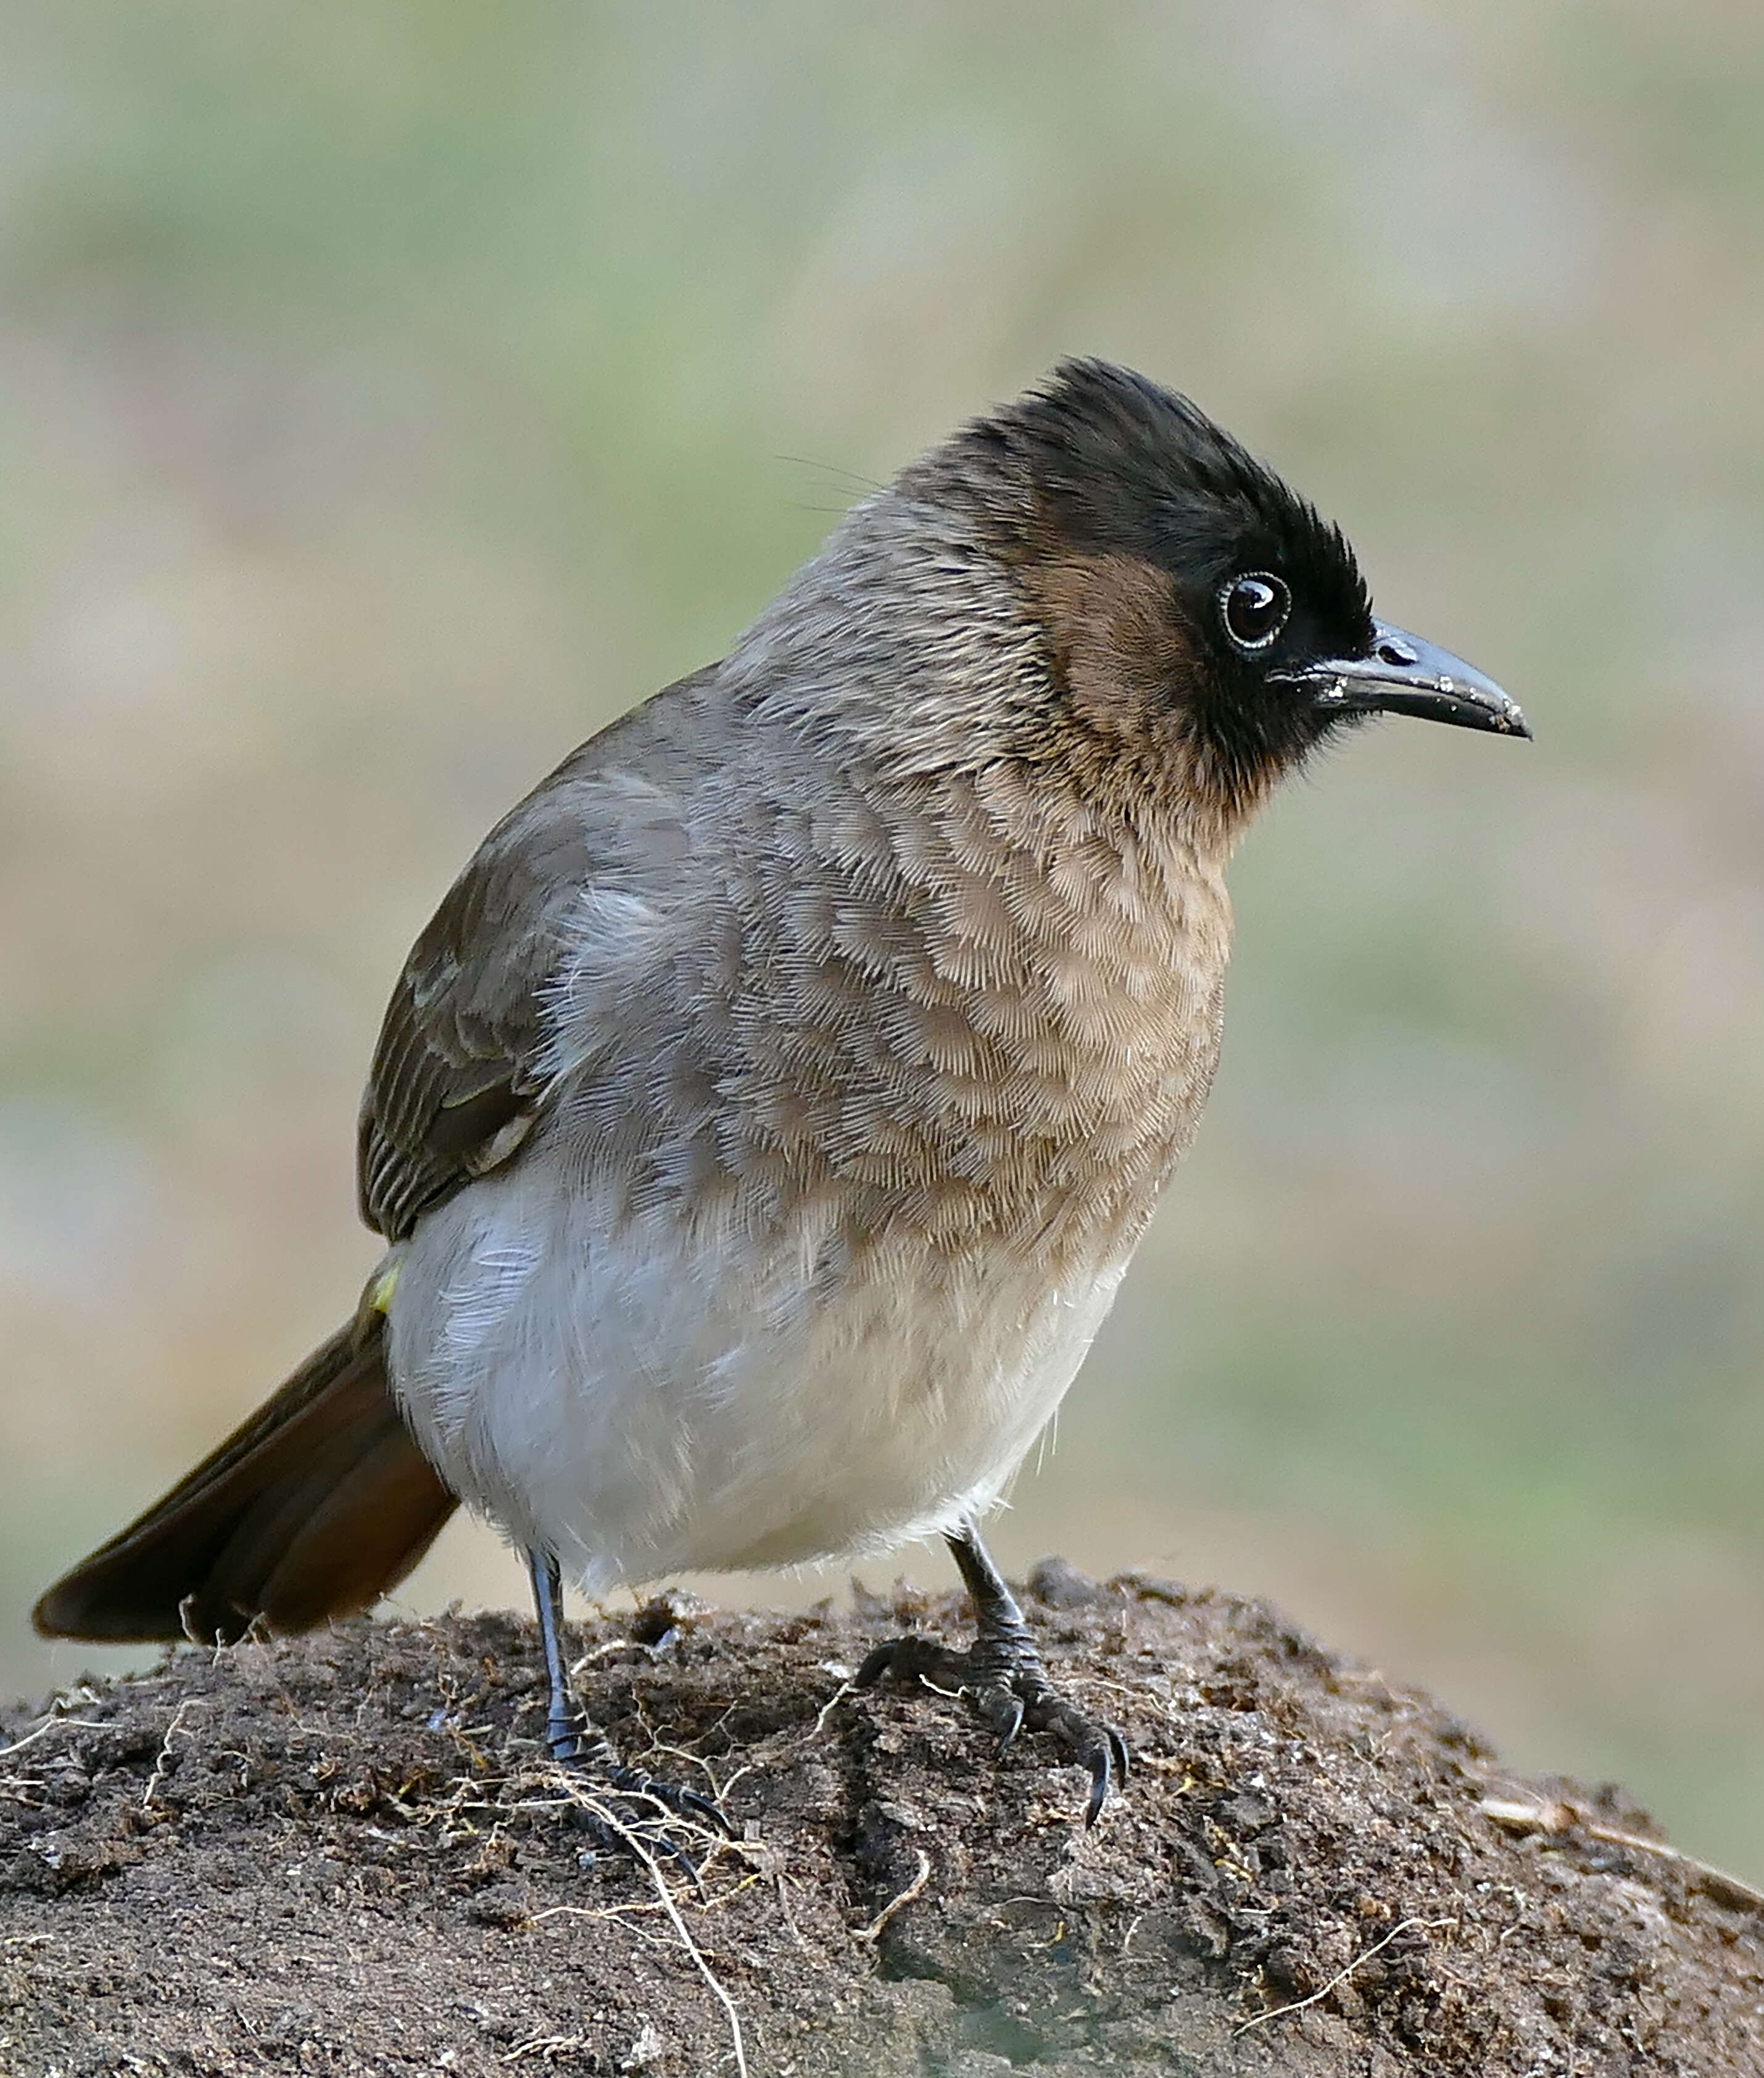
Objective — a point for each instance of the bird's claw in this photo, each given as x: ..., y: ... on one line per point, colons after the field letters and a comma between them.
x: 682, y: 1802
x: 1010, y: 1694
x: 598, y: 1780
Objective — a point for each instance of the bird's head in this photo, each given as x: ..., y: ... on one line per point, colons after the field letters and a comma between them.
x: 1205, y: 627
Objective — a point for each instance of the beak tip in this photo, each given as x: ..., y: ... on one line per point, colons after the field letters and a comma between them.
x: 1404, y: 674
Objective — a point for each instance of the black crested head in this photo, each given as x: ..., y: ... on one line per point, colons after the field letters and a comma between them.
x: 1122, y: 504
x: 1119, y: 464
x: 1205, y: 627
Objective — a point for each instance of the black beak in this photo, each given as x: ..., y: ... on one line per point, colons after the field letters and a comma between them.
x: 1402, y: 674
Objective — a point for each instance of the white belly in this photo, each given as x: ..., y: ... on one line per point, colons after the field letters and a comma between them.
x: 640, y: 1399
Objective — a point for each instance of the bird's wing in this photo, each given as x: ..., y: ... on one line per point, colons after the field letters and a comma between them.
x: 462, y: 1067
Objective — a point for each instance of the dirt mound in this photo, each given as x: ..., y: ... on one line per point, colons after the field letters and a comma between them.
x: 347, y: 1853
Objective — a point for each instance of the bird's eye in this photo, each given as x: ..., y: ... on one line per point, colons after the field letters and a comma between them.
x: 1254, y: 608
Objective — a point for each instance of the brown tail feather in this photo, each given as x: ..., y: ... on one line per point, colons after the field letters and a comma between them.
x: 315, y: 1507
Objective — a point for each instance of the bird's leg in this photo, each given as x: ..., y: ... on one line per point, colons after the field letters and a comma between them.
x: 1001, y: 1675
x: 576, y: 1741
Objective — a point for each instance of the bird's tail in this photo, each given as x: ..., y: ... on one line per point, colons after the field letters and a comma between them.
x: 316, y: 1507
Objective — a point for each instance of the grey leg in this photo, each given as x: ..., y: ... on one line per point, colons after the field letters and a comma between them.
x: 575, y: 1740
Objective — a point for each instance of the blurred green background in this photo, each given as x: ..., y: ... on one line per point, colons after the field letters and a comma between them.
x: 391, y: 394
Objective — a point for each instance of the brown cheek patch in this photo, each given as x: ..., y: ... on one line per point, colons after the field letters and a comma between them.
x: 1117, y: 642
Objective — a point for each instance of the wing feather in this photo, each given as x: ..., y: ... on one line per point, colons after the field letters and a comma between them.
x: 462, y: 1065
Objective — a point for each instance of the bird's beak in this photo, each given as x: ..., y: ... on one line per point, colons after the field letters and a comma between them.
x: 1401, y: 674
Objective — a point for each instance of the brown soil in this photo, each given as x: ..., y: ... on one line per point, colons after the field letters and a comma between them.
x: 346, y: 1854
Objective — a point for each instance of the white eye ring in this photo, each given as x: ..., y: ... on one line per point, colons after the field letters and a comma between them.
x: 1256, y: 593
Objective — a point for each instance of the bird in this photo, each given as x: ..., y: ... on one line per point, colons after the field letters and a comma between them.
x: 762, y: 1128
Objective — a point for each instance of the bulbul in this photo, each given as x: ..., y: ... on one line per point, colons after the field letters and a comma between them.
x: 762, y: 1128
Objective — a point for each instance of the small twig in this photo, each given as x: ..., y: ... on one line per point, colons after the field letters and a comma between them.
x: 634, y: 1842
x: 1340, y: 1976
x: 780, y: 1886
x: 915, y: 1889
x: 625, y: 1913
x: 547, y: 2046
x: 827, y: 1710
x: 629, y: 1916
x: 608, y: 1649
x: 657, y: 1745
x: 52, y: 1724
x: 1558, y: 1818
x: 789, y: 1745
x: 161, y: 1768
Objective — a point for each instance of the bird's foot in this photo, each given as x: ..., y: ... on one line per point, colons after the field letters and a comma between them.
x: 1002, y: 1680
x: 626, y: 1810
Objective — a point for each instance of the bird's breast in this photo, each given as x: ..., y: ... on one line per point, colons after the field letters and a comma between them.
x: 967, y: 1012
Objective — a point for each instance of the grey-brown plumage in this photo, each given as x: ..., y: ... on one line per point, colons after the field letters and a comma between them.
x: 765, y: 1121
